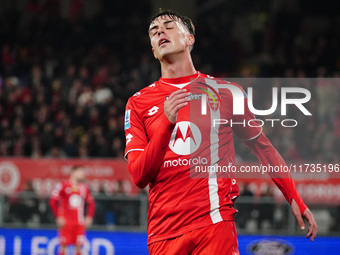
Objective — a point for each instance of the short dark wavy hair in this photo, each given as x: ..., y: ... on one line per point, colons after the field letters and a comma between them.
x: 187, y: 22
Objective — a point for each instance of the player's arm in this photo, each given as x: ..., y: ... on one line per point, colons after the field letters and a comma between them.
x: 54, y: 199
x: 91, y: 207
x: 144, y: 164
x: 54, y: 204
x: 268, y: 155
x: 258, y: 143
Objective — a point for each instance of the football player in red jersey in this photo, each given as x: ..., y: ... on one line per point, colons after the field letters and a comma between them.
x: 190, y: 215
x: 68, y: 204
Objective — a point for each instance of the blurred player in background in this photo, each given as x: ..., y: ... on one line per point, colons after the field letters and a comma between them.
x: 189, y: 215
x: 67, y: 202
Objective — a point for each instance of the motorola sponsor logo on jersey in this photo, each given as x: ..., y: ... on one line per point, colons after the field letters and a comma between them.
x: 185, y: 139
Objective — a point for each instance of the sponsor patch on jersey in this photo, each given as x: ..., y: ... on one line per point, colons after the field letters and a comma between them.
x: 185, y: 138
x: 195, y: 96
x: 74, y: 200
x: 191, y: 97
x: 127, y: 119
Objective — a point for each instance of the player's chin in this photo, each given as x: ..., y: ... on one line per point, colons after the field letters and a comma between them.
x: 162, y: 53
x: 166, y: 53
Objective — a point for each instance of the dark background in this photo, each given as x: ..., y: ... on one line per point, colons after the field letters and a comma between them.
x: 67, y: 69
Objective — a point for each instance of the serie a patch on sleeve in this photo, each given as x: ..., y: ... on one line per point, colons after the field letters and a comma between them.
x: 127, y: 119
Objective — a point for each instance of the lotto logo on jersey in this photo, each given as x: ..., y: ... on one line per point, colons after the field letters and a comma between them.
x: 128, y: 138
x: 127, y: 119
x: 153, y: 110
x: 185, y: 138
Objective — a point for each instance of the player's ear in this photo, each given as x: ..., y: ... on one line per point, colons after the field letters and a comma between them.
x: 154, y: 54
x: 190, y: 39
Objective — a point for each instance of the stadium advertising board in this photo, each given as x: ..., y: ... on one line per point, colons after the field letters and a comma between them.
x: 45, y: 242
x: 45, y: 173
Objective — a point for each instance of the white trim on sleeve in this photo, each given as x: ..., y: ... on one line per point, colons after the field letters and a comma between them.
x: 253, y: 137
x: 130, y: 151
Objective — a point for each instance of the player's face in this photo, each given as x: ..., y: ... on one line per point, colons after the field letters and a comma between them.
x: 169, y: 36
x: 79, y: 174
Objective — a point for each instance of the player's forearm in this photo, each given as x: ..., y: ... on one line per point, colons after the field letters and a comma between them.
x: 91, y: 207
x: 144, y: 166
x: 268, y: 155
x: 54, y: 206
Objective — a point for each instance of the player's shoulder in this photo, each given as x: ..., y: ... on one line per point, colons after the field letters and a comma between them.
x: 60, y: 185
x: 220, y: 83
x: 144, y: 92
x: 85, y: 185
x: 64, y: 184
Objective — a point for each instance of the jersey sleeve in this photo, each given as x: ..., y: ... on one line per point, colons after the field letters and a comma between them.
x: 91, y: 206
x: 249, y: 130
x: 54, y: 199
x: 136, y: 139
x: 144, y: 165
x: 245, y: 126
x: 268, y: 155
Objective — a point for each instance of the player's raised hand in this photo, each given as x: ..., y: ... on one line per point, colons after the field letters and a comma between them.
x: 308, y: 215
x: 176, y: 101
x: 60, y: 222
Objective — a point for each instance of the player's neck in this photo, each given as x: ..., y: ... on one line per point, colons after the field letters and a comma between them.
x: 74, y: 181
x: 177, y: 67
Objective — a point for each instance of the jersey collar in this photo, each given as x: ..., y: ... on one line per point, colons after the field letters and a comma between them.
x: 180, y: 82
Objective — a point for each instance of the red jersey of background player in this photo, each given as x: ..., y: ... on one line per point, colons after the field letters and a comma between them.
x: 177, y: 202
x: 68, y: 201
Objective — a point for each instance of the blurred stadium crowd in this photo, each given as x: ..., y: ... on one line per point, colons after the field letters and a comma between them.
x: 64, y: 81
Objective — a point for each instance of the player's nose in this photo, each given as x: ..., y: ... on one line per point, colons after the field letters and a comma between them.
x: 160, y: 31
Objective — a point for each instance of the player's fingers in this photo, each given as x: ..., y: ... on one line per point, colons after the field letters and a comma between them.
x: 176, y: 93
x: 171, y: 106
x: 300, y: 221
x: 312, y: 231
x: 177, y: 100
x: 179, y: 106
x: 312, y: 224
x: 182, y: 100
x: 296, y: 212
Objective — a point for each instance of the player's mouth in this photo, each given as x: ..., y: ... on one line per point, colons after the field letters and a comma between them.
x: 163, y: 41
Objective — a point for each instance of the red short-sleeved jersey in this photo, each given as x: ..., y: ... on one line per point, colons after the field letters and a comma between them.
x: 68, y: 201
x: 177, y: 202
